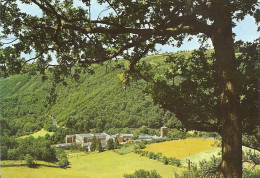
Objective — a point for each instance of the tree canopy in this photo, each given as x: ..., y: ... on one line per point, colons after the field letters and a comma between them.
x: 79, y: 40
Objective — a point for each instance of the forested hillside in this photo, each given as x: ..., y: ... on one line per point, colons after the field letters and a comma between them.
x: 97, y: 100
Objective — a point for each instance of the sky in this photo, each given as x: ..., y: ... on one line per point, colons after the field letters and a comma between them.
x: 245, y: 30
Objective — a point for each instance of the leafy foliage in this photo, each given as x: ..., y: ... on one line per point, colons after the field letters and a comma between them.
x: 93, y: 145
x: 110, y: 144
x: 99, y: 146
x: 29, y: 160
x: 143, y: 173
x: 116, y: 143
x: 99, y: 101
x: 62, y: 158
x: 192, y: 81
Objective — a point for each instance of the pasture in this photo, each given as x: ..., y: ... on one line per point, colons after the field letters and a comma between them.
x: 182, y: 148
x: 40, y: 133
x: 107, y: 164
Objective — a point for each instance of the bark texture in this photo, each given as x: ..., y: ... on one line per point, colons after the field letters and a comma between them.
x: 231, y: 123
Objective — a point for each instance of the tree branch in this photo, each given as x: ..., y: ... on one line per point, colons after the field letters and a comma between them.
x: 28, y: 60
x: 119, y: 51
x: 143, y: 32
x: 11, y: 41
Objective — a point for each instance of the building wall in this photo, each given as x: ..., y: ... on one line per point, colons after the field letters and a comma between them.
x: 120, y: 139
x: 164, y: 132
x: 70, y: 139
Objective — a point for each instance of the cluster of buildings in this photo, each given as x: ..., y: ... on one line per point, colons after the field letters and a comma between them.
x: 85, y: 140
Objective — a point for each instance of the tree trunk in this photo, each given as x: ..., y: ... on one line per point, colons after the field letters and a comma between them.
x: 231, y: 123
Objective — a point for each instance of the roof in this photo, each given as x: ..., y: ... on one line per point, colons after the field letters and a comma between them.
x: 65, y: 145
x: 69, y: 136
x: 103, y: 143
x: 148, y: 137
x: 101, y: 135
x: 126, y: 135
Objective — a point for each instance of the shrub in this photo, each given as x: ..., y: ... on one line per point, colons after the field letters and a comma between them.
x: 143, y: 130
x: 29, y: 160
x: 151, y: 155
x: 63, y: 162
x: 206, y: 169
x: 174, y: 161
x: 158, y: 155
x: 251, y: 174
x: 141, y: 145
x: 62, y: 157
x: 165, y: 160
x: 178, y: 162
x: 143, y: 174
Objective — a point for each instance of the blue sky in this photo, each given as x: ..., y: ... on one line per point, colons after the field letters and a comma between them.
x: 245, y: 30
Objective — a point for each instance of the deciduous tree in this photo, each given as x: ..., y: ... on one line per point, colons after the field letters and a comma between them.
x: 93, y: 144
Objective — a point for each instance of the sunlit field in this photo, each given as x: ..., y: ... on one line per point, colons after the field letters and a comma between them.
x: 40, y: 133
x: 98, y: 165
x: 182, y: 148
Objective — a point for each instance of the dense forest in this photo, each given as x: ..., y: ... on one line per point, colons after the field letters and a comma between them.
x: 98, y: 101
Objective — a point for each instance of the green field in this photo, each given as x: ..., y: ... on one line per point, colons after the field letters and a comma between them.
x: 196, y: 158
x: 40, y: 133
x: 206, y: 155
x: 124, y: 150
x: 107, y: 164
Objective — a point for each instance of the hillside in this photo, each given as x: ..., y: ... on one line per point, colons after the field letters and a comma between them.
x: 96, y: 101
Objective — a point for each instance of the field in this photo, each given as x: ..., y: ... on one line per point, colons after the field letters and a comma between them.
x: 40, y: 133
x: 107, y: 164
x: 196, y: 158
x: 125, y: 150
x: 182, y: 148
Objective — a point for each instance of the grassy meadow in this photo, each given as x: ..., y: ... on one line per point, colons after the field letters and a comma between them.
x: 97, y: 165
x: 40, y: 133
x: 182, y: 148
x: 125, y: 150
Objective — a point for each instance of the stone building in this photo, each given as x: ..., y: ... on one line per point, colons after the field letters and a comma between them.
x: 70, y: 139
x: 164, y: 132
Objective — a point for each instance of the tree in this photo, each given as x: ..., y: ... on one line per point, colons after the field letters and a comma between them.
x: 116, y: 143
x: 80, y: 41
x: 143, y: 129
x: 93, y: 144
x: 110, y: 144
x: 99, y: 146
x: 4, y: 150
